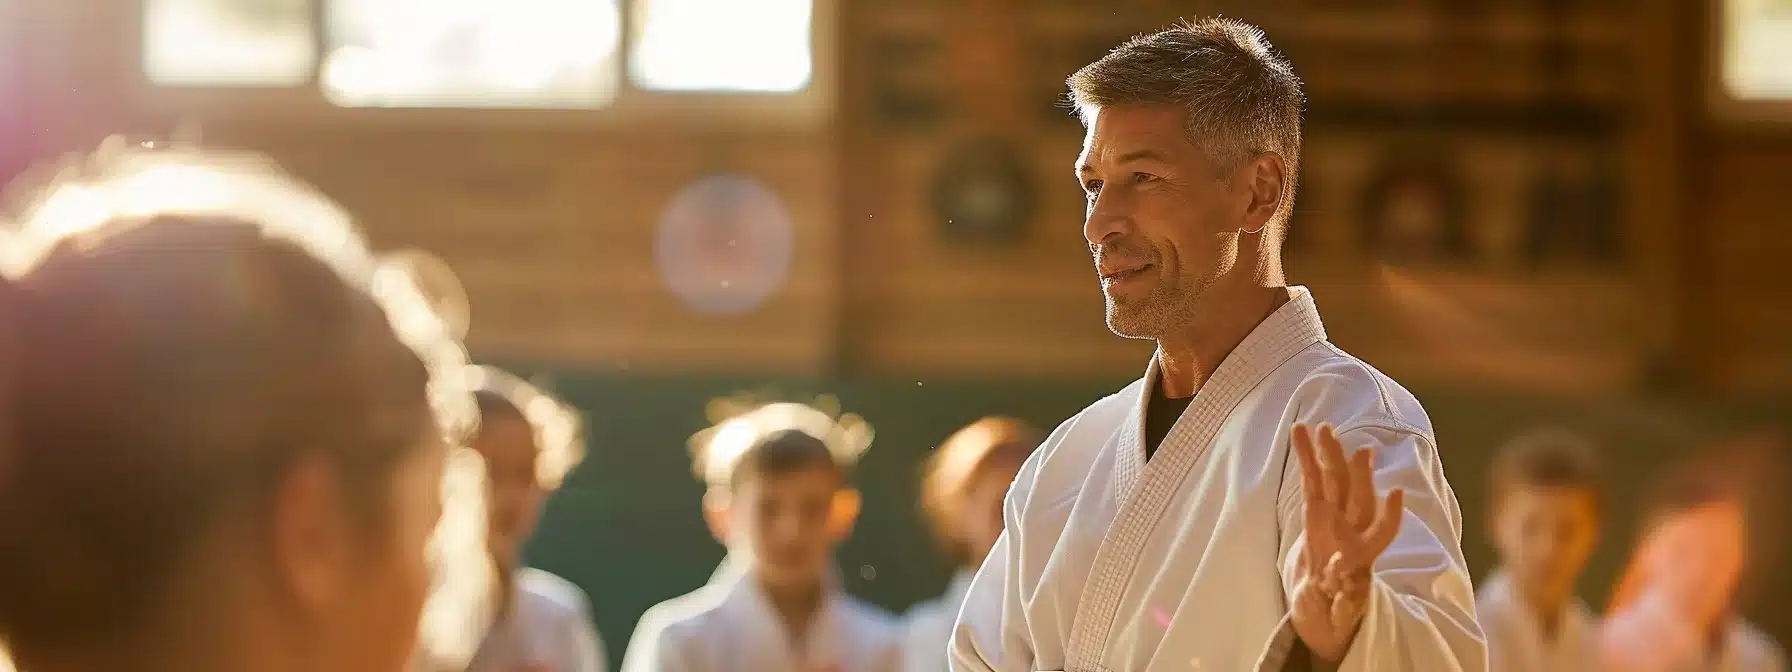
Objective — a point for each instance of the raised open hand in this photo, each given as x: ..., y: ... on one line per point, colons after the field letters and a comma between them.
x: 1347, y: 528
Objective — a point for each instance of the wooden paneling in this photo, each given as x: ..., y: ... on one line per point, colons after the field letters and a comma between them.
x: 933, y: 306
x: 551, y: 229
x: 1745, y: 277
x: 1502, y: 93
x: 553, y: 234
x: 1737, y: 314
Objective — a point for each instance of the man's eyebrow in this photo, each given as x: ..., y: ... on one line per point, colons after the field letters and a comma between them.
x: 1136, y: 155
x: 1141, y: 155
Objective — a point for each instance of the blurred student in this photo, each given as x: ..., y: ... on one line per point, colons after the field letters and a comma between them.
x: 223, y: 432
x: 1676, y: 606
x: 1544, y: 522
x: 779, y: 499
x: 529, y: 441
x: 961, y: 494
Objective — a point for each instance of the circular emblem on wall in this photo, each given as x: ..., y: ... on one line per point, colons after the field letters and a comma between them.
x: 983, y: 192
x: 724, y: 244
x: 1415, y: 210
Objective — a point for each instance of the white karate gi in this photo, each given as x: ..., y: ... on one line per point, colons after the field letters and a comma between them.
x: 548, y: 629
x: 929, y: 627
x: 1110, y: 563
x: 729, y: 625
x: 1746, y: 649
x: 1515, y: 640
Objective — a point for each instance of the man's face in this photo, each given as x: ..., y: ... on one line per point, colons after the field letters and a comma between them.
x: 786, y: 521
x: 507, y: 442
x: 1161, y: 222
x: 1543, y: 535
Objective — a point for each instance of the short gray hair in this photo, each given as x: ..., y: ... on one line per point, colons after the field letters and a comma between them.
x: 1242, y: 97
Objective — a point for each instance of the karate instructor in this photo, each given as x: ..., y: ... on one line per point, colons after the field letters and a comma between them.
x: 1259, y: 499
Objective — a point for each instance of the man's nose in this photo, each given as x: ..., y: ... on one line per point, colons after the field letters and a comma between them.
x: 1108, y: 217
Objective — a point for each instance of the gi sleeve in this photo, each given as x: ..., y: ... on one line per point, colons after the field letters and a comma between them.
x: 991, y: 633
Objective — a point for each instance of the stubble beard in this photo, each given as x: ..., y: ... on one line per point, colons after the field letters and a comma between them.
x: 1166, y: 309
x: 1147, y: 318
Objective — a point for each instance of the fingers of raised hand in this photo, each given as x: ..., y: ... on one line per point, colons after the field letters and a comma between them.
x: 1312, y: 482
x: 1304, y: 450
x: 1347, y: 522
x: 1359, y: 550
x: 1322, y: 467
x: 1386, y: 527
x: 1334, y: 471
x: 1359, y: 503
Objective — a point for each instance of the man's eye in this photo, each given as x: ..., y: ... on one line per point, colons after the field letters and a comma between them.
x: 1142, y: 178
x: 1091, y: 188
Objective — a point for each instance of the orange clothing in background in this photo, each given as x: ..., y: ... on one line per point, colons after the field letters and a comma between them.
x: 1680, y: 584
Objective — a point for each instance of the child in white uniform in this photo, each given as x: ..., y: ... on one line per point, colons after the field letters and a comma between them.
x: 1544, y: 523
x: 778, y: 498
x: 529, y: 441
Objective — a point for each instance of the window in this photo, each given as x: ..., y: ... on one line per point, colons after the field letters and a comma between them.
x: 243, y: 43
x: 561, y: 54
x: 1757, y: 49
x: 472, y: 53
x: 722, y: 45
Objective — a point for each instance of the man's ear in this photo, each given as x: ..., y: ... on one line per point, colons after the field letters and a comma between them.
x: 715, y: 513
x: 310, y: 531
x: 844, y: 514
x: 1264, y: 179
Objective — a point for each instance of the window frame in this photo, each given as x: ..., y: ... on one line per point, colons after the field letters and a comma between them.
x: 1723, y: 105
x: 633, y: 107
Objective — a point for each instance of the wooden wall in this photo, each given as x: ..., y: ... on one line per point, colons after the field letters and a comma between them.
x: 1501, y: 91
x: 548, y: 218
x: 551, y: 224
x: 552, y: 232
x: 1739, y: 321
x: 1739, y: 222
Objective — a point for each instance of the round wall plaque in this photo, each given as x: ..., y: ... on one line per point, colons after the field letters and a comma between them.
x: 1415, y: 210
x: 983, y: 192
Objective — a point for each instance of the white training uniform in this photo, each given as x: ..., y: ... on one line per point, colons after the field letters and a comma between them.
x: 548, y: 629
x: 729, y: 625
x: 1112, y: 563
x: 929, y: 627
x: 1515, y: 640
x: 1746, y: 649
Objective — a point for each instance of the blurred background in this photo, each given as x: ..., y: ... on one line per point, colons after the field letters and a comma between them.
x: 1530, y: 212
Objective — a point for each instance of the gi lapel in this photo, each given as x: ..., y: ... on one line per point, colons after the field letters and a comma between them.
x: 1146, y: 489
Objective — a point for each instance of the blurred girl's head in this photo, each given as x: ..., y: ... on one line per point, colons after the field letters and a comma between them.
x: 966, y: 481
x: 222, y: 425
